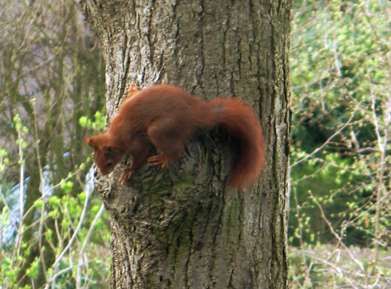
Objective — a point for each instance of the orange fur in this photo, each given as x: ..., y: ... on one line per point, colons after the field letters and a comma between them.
x: 166, y: 116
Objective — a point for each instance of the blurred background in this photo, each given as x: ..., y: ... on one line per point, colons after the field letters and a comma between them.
x: 54, y: 230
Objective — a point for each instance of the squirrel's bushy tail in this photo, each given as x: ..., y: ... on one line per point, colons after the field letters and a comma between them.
x: 241, y: 122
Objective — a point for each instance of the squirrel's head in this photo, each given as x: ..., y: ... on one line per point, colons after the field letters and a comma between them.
x: 107, y: 154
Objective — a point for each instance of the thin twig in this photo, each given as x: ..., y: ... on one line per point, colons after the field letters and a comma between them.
x: 327, y: 141
x: 73, y: 238
x: 84, y: 245
x: 335, y: 234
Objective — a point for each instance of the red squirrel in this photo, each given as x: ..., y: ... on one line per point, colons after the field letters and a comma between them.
x: 166, y: 116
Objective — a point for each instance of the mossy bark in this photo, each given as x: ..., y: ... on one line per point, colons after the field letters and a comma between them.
x: 182, y: 227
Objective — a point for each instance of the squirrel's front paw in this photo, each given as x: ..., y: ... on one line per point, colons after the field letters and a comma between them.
x: 125, y: 177
x: 158, y: 160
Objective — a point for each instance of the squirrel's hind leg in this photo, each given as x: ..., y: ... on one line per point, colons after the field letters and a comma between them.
x: 169, y: 141
x: 158, y: 160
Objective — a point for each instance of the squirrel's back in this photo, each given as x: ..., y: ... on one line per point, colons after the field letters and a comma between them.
x: 154, y: 103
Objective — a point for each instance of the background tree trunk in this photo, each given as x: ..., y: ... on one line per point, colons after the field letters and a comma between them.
x: 182, y: 228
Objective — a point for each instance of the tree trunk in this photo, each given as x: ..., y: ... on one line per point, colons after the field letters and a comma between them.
x: 182, y: 227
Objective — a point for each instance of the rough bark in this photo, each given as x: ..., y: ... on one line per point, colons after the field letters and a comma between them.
x: 182, y: 227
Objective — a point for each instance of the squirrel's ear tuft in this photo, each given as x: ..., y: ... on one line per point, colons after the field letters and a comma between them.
x: 89, y: 140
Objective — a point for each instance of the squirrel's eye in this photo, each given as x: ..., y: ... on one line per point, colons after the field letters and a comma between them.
x: 109, y: 152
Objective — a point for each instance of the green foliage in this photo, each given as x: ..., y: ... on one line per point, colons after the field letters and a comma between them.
x: 340, y: 158
x: 33, y: 270
x: 340, y: 185
x: 4, y: 160
x: 98, y: 123
x: 65, y: 212
x: 339, y: 84
x: 51, y: 75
